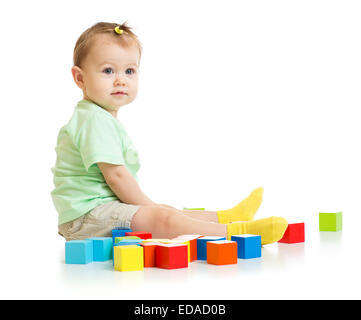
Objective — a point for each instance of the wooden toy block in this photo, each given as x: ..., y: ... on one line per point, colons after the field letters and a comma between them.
x: 78, y: 251
x: 330, y: 221
x: 149, y: 254
x: 126, y: 242
x: 125, y: 238
x: 171, y: 256
x: 128, y: 258
x: 155, y: 240
x: 186, y: 242
x: 102, y: 248
x: 192, y: 242
x: 141, y: 235
x: 202, y: 245
x: 222, y: 252
x: 248, y: 246
x: 119, y: 232
x: 294, y: 233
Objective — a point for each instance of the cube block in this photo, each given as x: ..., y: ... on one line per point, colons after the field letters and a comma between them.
x: 128, y: 258
x: 192, y: 243
x: 126, y: 243
x: 102, y: 248
x: 202, y: 245
x: 155, y: 240
x: 171, y: 256
x: 330, y: 221
x: 119, y: 232
x: 141, y: 235
x: 248, y: 246
x: 294, y: 233
x: 149, y: 254
x: 180, y: 241
x: 222, y: 252
x: 119, y: 239
x: 78, y: 251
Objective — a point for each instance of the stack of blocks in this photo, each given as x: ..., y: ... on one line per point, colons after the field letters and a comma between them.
x: 133, y: 251
x: 88, y: 250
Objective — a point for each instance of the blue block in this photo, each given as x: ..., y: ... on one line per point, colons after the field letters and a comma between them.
x: 119, y: 232
x: 248, y: 246
x: 102, y: 248
x: 202, y: 246
x: 78, y: 252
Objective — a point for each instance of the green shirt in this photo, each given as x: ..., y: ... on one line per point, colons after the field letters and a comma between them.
x: 92, y: 135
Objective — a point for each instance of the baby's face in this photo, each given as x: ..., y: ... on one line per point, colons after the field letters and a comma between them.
x: 110, y: 73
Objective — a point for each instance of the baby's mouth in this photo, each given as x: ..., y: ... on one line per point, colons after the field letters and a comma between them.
x: 118, y: 93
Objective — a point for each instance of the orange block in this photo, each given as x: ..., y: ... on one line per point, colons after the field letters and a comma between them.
x: 192, y: 238
x: 222, y: 252
x: 149, y: 254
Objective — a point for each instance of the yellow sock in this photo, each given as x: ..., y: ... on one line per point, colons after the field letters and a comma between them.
x: 270, y: 229
x: 244, y: 211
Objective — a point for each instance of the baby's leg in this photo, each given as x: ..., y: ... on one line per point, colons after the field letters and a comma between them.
x: 164, y: 222
x: 210, y: 216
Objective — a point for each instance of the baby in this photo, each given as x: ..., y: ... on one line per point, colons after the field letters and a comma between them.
x: 95, y: 176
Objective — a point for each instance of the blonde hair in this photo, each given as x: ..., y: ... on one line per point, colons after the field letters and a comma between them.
x: 85, y: 41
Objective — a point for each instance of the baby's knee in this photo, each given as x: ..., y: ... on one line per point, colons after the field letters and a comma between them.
x: 153, y: 217
x: 163, y: 218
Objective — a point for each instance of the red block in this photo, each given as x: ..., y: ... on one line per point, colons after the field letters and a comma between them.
x: 141, y: 235
x: 294, y: 233
x: 193, y: 244
x: 171, y: 256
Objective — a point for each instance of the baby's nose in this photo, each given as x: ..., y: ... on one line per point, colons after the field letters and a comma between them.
x: 119, y: 81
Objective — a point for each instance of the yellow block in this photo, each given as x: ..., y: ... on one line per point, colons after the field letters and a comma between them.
x: 128, y: 258
x: 182, y: 242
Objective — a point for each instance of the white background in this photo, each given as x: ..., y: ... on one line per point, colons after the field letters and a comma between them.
x: 233, y: 95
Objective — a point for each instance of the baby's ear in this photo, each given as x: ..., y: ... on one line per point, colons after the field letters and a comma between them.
x: 78, y: 76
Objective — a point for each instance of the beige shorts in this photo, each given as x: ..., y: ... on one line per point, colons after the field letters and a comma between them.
x: 100, y: 221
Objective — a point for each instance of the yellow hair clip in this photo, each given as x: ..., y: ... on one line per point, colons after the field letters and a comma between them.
x: 118, y: 30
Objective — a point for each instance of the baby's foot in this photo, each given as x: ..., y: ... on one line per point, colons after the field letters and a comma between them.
x: 270, y: 229
x: 244, y: 211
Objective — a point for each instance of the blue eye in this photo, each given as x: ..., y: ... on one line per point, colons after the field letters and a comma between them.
x: 130, y: 71
x: 108, y: 70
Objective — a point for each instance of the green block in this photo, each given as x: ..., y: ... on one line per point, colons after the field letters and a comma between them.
x: 330, y: 221
x: 193, y: 208
x: 118, y: 239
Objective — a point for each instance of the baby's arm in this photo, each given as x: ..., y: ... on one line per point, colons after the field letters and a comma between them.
x: 123, y: 184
